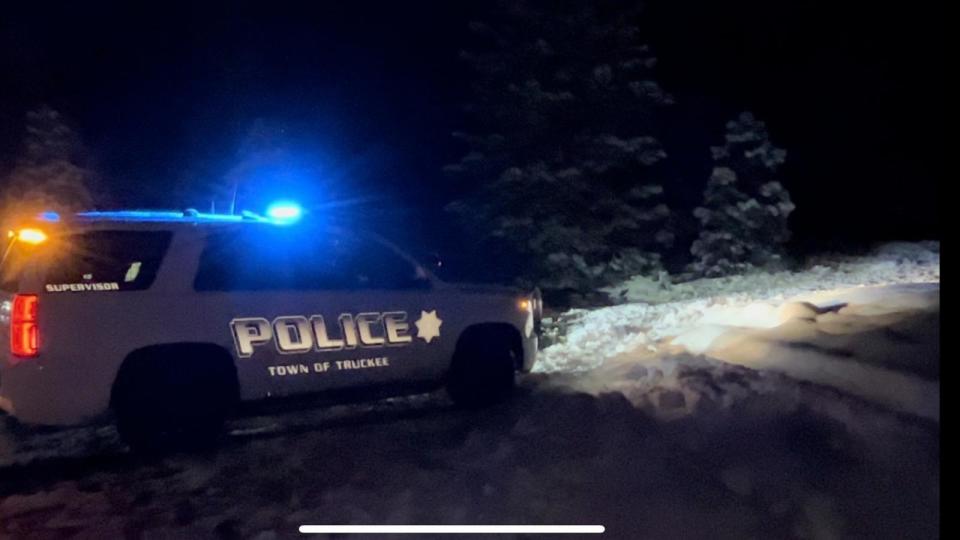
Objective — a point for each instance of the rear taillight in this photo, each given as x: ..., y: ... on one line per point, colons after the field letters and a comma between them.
x: 24, y: 330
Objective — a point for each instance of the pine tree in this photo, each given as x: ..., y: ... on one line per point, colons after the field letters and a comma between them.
x: 743, y: 219
x: 560, y: 153
x: 263, y: 148
x: 48, y: 175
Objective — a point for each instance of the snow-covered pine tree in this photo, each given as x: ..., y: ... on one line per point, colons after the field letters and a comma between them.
x: 743, y: 219
x: 560, y: 151
x: 261, y: 150
x: 48, y: 175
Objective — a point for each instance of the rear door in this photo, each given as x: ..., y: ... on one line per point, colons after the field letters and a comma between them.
x: 307, y: 310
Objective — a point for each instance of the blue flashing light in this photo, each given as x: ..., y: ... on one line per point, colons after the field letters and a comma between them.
x: 50, y: 216
x: 285, y: 211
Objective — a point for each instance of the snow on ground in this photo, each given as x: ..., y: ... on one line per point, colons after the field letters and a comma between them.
x: 766, y: 466
x: 702, y: 310
x: 865, y: 326
x: 770, y: 407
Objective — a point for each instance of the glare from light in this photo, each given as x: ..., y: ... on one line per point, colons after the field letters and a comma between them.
x: 759, y: 315
x: 285, y: 211
x: 31, y: 236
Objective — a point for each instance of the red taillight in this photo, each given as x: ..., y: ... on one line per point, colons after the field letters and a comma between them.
x: 24, y: 331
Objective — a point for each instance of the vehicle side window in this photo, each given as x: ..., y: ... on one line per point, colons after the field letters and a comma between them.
x: 375, y: 266
x: 107, y: 260
x: 294, y: 259
x: 239, y: 262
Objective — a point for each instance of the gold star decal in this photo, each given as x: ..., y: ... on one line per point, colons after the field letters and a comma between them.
x: 428, y: 325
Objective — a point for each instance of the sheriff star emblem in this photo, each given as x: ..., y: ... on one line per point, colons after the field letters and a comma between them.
x: 428, y: 325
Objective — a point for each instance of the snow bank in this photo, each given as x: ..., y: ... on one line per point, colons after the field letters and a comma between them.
x: 898, y: 262
x: 867, y: 326
x: 658, y: 310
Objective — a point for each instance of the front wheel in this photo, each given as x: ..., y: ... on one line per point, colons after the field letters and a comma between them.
x: 483, y: 372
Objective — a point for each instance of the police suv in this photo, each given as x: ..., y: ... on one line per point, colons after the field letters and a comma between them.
x: 167, y: 321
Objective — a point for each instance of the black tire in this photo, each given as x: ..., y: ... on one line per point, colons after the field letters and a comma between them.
x: 172, y: 400
x: 483, y: 370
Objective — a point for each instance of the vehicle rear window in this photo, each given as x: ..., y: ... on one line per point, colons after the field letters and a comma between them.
x: 290, y: 259
x: 105, y: 260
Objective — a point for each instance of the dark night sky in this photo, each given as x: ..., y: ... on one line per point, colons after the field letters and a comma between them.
x: 370, y: 91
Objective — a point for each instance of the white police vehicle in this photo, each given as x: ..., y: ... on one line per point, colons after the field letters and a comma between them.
x: 169, y: 320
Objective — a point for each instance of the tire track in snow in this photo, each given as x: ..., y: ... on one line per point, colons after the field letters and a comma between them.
x: 899, y: 391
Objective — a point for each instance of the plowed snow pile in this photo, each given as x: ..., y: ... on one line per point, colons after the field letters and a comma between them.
x: 657, y: 312
x: 868, y: 326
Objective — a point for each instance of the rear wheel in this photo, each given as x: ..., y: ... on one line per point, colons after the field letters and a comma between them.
x: 483, y: 370
x: 173, y: 399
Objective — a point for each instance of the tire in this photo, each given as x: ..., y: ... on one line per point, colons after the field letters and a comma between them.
x: 165, y: 403
x: 483, y: 370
